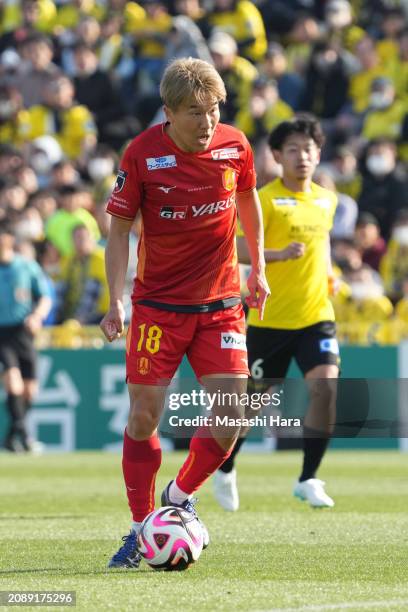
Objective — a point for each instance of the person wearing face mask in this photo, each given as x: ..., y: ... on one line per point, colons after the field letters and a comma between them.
x: 101, y: 168
x: 394, y: 264
x: 367, y: 301
x: 385, y: 113
x: 384, y: 186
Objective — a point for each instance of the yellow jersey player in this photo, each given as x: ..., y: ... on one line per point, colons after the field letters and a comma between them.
x: 299, y: 318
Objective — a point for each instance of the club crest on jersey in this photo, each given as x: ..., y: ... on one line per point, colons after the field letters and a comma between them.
x: 143, y: 366
x: 229, y: 153
x: 161, y: 163
x: 173, y: 212
x: 229, y: 179
x: 120, y: 181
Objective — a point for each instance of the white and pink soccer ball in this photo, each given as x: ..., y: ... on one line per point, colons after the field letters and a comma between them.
x: 170, y: 538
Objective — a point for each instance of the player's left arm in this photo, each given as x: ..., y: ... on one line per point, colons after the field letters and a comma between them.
x: 250, y: 217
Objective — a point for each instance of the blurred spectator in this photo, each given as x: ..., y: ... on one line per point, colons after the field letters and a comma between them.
x: 394, y: 265
x: 237, y: 73
x: 10, y: 159
x: 264, y: 111
x: 341, y: 32
x: 64, y: 173
x: 400, y: 66
x: 82, y: 288
x: 401, y: 308
x: 368, y: 302
x: 59, y: 226
x: 12, y: 116
x: 346, y: 255
x: 101, y: 170
x: 384, y: 187
x: 95, y: 90
x: 71, y: 124
x: 27, y: 178
x: 19, y: 19
x: 391, y: 25
x: 87, y: 32
x: 37, y: 69
x: 343, y: 169
x: 346, y: 211
x: 186, y: 40
x: 368, y: 239
x: 29, y: 225
x: 44, y: 153
x: 385, y: 113
x: 326, y: 82
x: 280, y: 15
x: 304, y: 33
x: 242, y: 20
x: 150, y: 34
x: 23, y: 307
x: 12, y: 196
x: 370, y: 68
x: 45, y: 201
x: 274, y: 66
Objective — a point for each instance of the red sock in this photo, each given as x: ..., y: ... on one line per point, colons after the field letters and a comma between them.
x: 140, y: 463
x: 205, y: 456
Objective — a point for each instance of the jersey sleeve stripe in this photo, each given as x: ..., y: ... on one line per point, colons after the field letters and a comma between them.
x: 119, y: 216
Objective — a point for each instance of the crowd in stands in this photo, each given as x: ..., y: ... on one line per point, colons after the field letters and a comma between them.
x: 79, y: 79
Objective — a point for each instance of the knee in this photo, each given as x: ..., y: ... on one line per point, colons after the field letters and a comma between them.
x: 144, y: 416
x: 323, y: 391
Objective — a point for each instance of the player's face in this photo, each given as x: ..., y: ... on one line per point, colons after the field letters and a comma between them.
x: 192, y: 125
x: 299, y: 157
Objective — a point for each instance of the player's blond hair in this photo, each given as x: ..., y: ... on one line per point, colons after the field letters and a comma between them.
x: 190, y: 79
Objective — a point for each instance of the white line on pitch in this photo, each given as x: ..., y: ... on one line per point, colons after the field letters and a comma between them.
x: 341, y: 606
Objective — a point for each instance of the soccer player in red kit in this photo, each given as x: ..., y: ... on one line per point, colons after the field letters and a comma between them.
x: 187, y: 176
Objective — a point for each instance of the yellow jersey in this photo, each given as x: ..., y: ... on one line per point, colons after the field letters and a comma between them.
x: 299, y: 287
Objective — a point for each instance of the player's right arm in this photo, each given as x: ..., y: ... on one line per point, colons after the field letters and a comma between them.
x: 116, y: 263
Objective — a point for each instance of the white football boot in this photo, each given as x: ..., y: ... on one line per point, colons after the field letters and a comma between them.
x: 312, y: 490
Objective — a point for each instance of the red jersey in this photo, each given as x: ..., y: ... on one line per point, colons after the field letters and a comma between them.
x: 187, y: 253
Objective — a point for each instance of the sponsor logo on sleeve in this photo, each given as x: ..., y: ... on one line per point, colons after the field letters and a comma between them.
x: 120, y: 181
x: 228, y: 153
x: 161, y: 163
x: 232, y: 340
x: 173, y: 212
x: 329, y: 345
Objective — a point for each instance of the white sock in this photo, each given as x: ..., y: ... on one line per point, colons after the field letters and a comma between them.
x: 176, y: 495
x: 135, y: 526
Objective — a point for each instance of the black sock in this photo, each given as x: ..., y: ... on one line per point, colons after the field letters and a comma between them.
x: 313, y: 451
x: 16, y: 409
x: 228, y: 464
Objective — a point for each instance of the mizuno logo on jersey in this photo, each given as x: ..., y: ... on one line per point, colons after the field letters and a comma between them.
x: 285, y: 201
x: 173, y: 212
x: 231, y: 340
x: 213, y: 208
x: 229, y: 153
x: 160, y: 163
x: 166, y: 189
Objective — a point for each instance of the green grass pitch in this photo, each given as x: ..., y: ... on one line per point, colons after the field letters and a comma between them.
x: 61, y: 518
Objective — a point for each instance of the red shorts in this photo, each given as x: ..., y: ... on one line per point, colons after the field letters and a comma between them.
x: 157, y: 340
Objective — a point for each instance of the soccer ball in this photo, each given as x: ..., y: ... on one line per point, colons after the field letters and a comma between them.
x: 170, y: 538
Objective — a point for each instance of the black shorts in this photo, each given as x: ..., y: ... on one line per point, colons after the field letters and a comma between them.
x: 17, y: 351
x: 271, y: 350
